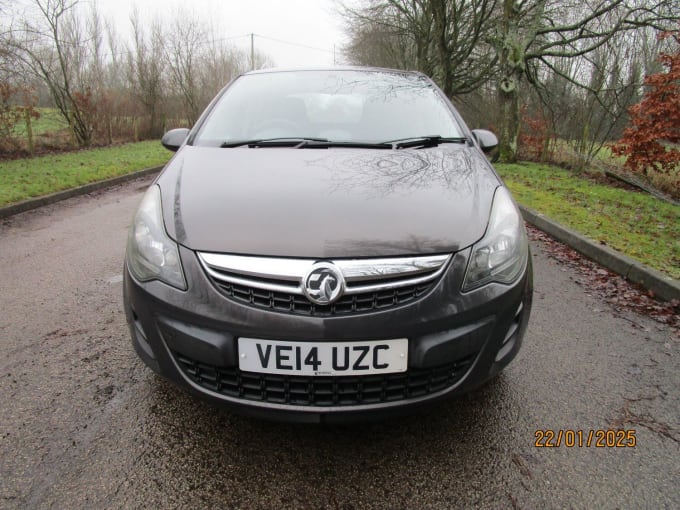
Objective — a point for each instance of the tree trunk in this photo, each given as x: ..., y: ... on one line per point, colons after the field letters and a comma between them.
x: 511, y: 71
x: 508, y: 99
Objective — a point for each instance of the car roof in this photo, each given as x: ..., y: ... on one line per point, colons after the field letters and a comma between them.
x: 334, y: 68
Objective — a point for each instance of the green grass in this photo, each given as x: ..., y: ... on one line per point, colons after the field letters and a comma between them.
x: 32, y: 177
x: 50, y: 121
x: 636, y: 224
x: 607, y: 156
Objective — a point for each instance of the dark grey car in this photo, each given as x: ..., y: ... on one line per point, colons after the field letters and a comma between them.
x: 328, y: 245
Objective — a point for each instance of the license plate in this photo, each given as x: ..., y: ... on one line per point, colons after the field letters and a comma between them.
x: 323, y: 358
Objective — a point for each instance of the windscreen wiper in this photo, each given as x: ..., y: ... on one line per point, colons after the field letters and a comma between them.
x: 271, y: 142
x: 323, y: 143
x: 425, y: 141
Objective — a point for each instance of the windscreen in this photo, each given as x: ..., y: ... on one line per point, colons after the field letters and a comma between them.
x: 341, y: 106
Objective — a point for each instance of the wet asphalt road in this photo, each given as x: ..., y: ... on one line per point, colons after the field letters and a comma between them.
x: 85, y: 425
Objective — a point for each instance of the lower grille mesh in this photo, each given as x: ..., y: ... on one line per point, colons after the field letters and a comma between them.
x: 323, y: 391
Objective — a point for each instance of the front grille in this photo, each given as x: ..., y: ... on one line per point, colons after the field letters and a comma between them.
x: 323, y: 391
x: 293, y: 303
x: 277, y: 284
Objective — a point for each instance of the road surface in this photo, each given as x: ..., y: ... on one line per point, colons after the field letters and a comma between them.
x: 85, y: 425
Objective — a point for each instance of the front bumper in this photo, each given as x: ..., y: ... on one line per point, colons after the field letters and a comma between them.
x: 456, y: 342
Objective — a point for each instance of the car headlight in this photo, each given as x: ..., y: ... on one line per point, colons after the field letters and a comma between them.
x: 501, y: 255
x: 151, y: 254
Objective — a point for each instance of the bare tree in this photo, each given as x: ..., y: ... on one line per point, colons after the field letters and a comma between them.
x: 444, y: 39
x: 146, y: 67
x: 379, y: 45
x: 183, y: 45
x: 178, y: 67
x: 54, y: 49
x: 100, y: 85
x: 585, y: 101
x: 218, y: 65
x: 514, y: 44
x: 7, y: 66
x: 540, y: 31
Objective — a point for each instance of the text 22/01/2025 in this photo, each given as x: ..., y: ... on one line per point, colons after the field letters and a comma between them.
x: 601, y: 438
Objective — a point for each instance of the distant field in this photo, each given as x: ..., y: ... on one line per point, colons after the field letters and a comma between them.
x: 50, y: 121
x: 636, y: 224
x: 32, y: 177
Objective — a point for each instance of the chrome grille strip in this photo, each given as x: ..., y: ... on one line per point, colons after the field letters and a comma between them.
x: 291, y: 289
x: 374, y: 269
x: 260, y: 267
x: 361, y: 289
x: 285, y: 275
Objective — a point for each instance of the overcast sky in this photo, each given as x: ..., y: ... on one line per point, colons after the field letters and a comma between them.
x: 309, y: 28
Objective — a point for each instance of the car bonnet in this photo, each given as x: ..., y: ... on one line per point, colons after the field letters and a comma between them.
x: 327, y: 203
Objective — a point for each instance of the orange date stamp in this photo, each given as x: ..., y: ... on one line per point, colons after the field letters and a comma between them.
x: 571, y: 438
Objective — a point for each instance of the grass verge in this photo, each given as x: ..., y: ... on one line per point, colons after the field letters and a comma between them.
x: 633, y: 223
x: 22, y: 179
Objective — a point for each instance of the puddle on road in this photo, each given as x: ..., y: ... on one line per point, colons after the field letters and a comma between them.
x: 115, y: 279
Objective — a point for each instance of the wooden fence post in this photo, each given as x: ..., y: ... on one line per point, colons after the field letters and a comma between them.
x: 29, y: 130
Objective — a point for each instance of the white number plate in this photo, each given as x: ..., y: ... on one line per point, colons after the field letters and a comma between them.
x: 323, y: 358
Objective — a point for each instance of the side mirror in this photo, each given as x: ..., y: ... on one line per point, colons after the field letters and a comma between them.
x: 486, y: 139
x: 173, y: 139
